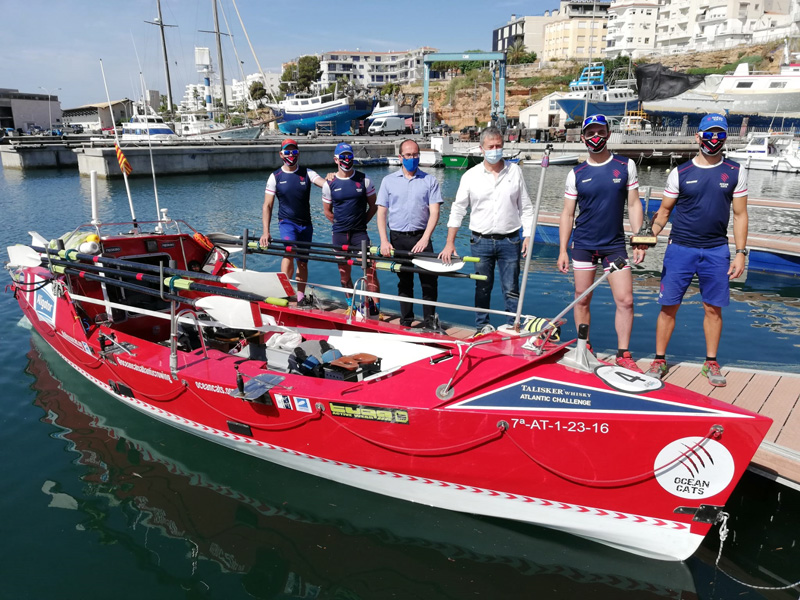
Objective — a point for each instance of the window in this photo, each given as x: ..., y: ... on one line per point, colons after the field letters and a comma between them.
x: 777, y: 84
x: 356, y: 58
x: 553, y: 105
x: 744, y: 84
x: 377, y: 59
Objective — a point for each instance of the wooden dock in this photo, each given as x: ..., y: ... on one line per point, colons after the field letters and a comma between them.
x: 772, y: 394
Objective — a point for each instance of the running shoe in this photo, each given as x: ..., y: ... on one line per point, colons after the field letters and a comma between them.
x: 486, y: 329
x: 711, y: 370
x: 306, y: 302
x: 626, y: 362
x: 658, y: 368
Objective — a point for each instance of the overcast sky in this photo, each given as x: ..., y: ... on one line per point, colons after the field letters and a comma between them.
x: 55, y: 44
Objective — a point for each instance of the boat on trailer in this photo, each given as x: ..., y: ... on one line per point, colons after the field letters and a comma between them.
x: 516, y: 425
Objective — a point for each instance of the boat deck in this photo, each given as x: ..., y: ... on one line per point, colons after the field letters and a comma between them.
x: 772, y: 394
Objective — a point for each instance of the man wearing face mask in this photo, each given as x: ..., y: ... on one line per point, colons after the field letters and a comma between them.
x: 495, y: 194
x: 348, y: 201
x: 699, y: 196
x: 291, y: 185
x: 601, y: 187
x: 409, y: 201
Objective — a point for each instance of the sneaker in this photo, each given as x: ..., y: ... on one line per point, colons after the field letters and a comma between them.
x: 626, y: 362
x: 306, y: 302
x: 657, y: 369
x: 711, y: 370
x: 488, y: 328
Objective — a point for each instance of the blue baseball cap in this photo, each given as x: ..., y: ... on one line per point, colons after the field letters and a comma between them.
x: 713, y: 120
x: 342, y: 147
x: 592, y: 119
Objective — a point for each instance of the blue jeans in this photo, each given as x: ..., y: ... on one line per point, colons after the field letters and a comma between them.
x: 506, y: 254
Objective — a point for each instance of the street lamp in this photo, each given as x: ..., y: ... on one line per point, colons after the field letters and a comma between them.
x: 49, y: 106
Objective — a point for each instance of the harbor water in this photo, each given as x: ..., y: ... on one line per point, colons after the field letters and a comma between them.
x: 100, y: 499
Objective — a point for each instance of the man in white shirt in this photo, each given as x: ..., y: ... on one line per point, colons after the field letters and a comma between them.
x: 495, y: 194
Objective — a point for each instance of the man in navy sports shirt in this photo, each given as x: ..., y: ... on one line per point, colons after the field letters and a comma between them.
x: 701, y: 192
x: 601, y: 187
x: 349, y: 204
x: 291, y: 185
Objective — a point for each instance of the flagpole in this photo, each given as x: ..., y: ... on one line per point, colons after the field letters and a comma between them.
x: 116, y: 144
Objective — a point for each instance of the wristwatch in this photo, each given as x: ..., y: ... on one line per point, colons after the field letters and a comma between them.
x: 744, y: 251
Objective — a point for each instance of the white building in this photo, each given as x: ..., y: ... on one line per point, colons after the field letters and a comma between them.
x: 240, y: 90
x: 543, y: 114
x: 707, y: 25
x: 24, y: 111
x: 528, y: 29
x: 373, y: 69
x: 577, y: 31
x: 631, y: 28
x: 95, y: 117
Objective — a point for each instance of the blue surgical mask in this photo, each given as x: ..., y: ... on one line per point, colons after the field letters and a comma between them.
x: 411, y: 164
x: 493, y: 156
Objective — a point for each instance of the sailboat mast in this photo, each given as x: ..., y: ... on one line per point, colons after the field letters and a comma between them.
x: 219, y: 58
x: 160, y: 23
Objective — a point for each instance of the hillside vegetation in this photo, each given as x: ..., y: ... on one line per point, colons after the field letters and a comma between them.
x: 465, y: 100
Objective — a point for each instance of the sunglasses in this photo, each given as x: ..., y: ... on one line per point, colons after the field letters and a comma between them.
x: 346, y: 156
x: 290, y: 152
x: 600, y: 119
x: 707, y: 135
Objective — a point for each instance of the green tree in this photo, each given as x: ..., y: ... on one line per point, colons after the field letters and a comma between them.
x: 299, y: 76
x: 257, y: 91
x: 518, y: 55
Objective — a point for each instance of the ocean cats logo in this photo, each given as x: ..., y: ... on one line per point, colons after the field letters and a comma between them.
x: 694, y: 467
x: 45, y: 305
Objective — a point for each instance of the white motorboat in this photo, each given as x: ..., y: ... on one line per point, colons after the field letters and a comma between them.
x: 778, y: 152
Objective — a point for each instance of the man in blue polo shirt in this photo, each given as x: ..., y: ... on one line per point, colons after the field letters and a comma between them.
x: 348, y: 201
x: 701, y: 192
x: 409, y: 201
x: 601, y: 188
x: 291, y: 185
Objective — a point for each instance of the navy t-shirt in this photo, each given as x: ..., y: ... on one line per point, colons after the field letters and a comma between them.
x: 349, y: 200
x: 703, y: 207
x: 601, y: 192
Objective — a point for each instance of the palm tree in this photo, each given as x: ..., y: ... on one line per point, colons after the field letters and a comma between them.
x: 516, y: 53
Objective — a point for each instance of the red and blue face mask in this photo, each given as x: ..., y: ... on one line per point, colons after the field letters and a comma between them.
x: 596, y: 143
x: 290, y: 157
x: 711, y: 142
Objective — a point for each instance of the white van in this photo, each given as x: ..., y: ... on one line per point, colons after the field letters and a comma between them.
x: 390, y: 125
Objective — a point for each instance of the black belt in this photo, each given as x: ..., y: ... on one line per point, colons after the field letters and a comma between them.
x: 410, y: 233
x: 497, y: 236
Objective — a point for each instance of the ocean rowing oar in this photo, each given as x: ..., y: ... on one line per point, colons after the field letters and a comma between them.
x: 274, y: 285
x: 228, y: 239
x: 172, y: 283
x: 429, y: 264
x: 378, y: 264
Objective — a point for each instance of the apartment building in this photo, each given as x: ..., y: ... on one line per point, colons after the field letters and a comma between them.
x: 632, y: 28
x: 577, y: 31
x: 530, y: 30
x: 373, y: 69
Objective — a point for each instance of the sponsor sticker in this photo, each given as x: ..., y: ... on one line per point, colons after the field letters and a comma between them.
x: 370, y: 413
x: 45, y: 305
x: 302, y: 404
x: 694, y: 467
x: 284, y: 402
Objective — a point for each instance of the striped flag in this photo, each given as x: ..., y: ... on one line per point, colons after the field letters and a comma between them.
x: 124, y: 165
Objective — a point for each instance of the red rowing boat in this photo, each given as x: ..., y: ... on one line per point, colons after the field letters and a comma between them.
x: 509, y: 426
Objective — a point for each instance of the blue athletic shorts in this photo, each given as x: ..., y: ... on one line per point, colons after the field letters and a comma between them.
x: 583, y: 260
x: 711, y: 265
x: 350, y: 238
x: 296, y: 232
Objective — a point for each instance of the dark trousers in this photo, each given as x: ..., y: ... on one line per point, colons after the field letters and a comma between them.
x: 405, y: 283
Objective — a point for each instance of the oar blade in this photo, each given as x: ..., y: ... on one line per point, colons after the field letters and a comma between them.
x: 233, y: 313
x: 263, y: 284
x: 437, y: 266
x: 23, y: 256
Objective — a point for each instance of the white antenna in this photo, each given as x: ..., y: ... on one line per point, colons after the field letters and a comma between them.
x: 117, y: 148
